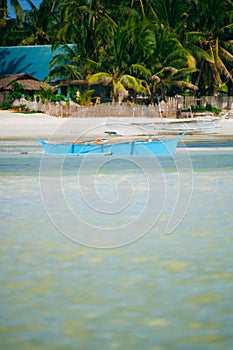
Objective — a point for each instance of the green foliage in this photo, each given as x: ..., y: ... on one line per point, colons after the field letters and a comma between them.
x: 121, y: 65
x: 29, y: 98
x: 209, y: 33
x: 48, y: 94
x: 17, y: 91
x: 31, y: 112
x: 22, y: 107
x: 73, y: 92
x: 6, y: 105
x: 163, y: 47
x: 84, y: 98
x: 206, y: 108
x: 14, y: 95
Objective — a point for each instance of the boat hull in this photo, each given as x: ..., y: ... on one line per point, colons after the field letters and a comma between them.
x: 141, y: 147
x: 178, y: 125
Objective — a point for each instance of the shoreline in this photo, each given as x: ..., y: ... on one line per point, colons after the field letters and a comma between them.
x: 21, y: 126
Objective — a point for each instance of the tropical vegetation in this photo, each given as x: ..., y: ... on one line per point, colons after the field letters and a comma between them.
x: 147, y: 47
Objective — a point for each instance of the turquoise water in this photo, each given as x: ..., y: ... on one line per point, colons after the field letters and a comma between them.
x: 161, y: 291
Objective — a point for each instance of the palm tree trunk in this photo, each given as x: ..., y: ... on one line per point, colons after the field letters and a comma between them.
x: 3, y: 12
x: 199, y: 75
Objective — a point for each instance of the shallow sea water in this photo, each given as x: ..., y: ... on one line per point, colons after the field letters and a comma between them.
x: 161, y: 291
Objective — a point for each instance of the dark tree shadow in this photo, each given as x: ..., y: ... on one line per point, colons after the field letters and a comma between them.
x: 13, y: 66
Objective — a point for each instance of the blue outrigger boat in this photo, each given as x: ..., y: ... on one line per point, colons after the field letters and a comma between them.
x: 105, y: 147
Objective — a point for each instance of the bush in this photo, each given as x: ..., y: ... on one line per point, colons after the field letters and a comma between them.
x: 17, y: 91
x: 23, y: 107
x: 207, y: 108
x: 6, y: 105
x: 47, y: 94
x: 84, y: 98
x: 15, y: 95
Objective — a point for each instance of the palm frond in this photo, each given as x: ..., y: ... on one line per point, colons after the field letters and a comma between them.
x: 185, y: 84
x: 223, y: 69
x: 228, y: 55
x: 132, y: 83
x: 137, y: 67
x: 99, y: 78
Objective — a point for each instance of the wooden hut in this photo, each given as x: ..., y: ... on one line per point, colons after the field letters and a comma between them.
x: 30, y: 84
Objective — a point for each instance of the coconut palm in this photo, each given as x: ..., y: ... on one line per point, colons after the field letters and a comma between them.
x: 40, y: 24
x: 171, y: 64
x: 171, y: 13
x: 31, y: 27
x: 209, y: 37
x: 84, y: 23
x: 3, y: 12
x: 67, y: 64
x: 11, y: 30
x: 17, y: 8
x: 121, y: 63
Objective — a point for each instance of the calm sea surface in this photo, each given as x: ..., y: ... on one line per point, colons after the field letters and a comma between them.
x: 167, y: 284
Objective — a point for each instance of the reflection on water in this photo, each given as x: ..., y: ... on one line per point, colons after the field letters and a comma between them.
x: 164, y: 291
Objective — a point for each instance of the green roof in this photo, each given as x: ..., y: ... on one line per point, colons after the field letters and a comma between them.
x: 33, y: 60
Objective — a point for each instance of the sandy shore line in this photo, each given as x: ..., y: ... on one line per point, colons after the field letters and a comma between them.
x: 39, y: 125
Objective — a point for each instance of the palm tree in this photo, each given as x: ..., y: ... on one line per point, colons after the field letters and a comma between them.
x: 84, y: 23
x: 121, y: 63
x: 171, y: 13
x: 67, y: 64
x: 40, y: 24
x: 3, y: 12
x: 17, y: 8
x: 171, y: 64
x: 209, y: 38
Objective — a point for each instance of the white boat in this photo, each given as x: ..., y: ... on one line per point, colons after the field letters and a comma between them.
x: 130, y: 128
x: 198, y: 124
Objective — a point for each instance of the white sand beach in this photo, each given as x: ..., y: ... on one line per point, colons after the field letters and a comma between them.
x: 19, y: 125
x: 39, y: 125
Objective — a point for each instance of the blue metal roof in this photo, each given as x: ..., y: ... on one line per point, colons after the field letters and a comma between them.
x: 33, y: 60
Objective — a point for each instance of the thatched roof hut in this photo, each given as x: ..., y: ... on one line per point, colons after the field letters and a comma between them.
x: 30, y: 85
x: 28, y: 82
